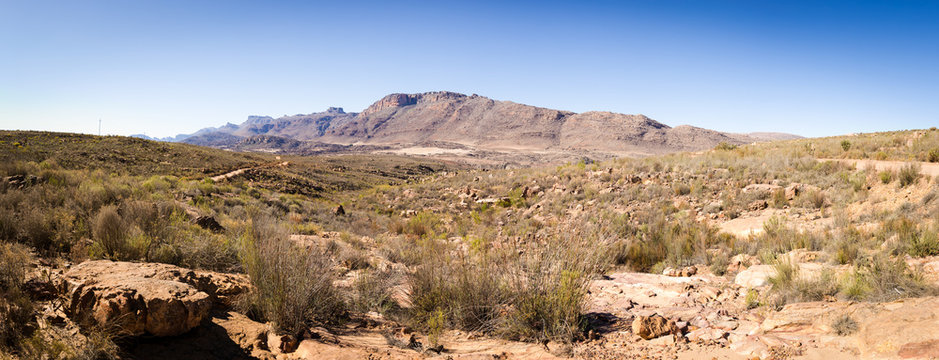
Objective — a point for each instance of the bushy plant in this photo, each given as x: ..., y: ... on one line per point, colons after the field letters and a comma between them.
x: 16, y: 308
x: 844, y: 325
x: 909, y: 174
x: 789, y: 286
x: 886, y: 176
x: 113, y: 239
x: 373, y: 291
x: 293, y: 285
x: 882, y: 278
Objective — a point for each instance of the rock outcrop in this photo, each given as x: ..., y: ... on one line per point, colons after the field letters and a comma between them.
x: 145, y: 298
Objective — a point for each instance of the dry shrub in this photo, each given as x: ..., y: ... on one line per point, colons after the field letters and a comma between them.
x: 16, y: 308
x: 789, y: 286
x: 537, y: 296
x: 844, y: 325
x: 402, y: 250
x: 886, y: 176
x: 817, y: 198
x: 112, y: 238
x: 882, y: 278
x: 293, y: 285
x: 661, y: 243
x: 424, y: 224
x: 373, y: 291
x: 551, y: 293
x: 469, y: 293
x: 908, y: 174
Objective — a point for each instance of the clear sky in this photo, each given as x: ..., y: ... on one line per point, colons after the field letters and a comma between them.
x: 165, y: 67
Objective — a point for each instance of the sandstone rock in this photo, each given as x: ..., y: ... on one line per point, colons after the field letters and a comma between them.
x: 709, y: 292
x: 283, y: 344
x: 762, y: 189
x: 755, y: 276
x: 757, y: 205
x: 684, y: 272
x: 159, y: 299
x: 140, y: 305
x: 663, y: 341
x: 707, y: 335
x: 902, y: 329
x: 741, y: 261
x: 801, y: 256
x: 650, y: 327
x: 750, y: 346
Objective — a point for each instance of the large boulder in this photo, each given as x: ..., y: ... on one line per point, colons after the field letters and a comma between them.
x: 144, y: 298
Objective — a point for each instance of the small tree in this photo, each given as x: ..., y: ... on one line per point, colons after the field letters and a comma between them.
x: 846, y: 145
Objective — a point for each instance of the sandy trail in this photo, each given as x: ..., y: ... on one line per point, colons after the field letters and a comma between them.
x: 234, y: 173
x: 926, y: 168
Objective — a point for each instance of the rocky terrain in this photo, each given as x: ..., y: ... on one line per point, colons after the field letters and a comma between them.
x: 502, y: 131
x: 763, y: 251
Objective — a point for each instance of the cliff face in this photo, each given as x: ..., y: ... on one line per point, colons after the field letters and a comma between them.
x: 482, y: 123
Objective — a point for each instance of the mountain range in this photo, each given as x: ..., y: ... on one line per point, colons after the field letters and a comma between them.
x: 453, y: 122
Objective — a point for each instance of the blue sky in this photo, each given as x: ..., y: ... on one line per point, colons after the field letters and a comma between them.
x: 813, y: 68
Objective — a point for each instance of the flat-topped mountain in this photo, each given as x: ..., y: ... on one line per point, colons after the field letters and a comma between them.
x: 469, y: 122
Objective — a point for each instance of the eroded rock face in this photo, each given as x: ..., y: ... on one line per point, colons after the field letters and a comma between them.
x: 145, y: 298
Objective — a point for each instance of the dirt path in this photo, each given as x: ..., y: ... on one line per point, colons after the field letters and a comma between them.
x: 234, y: 173
x: 928, y: 169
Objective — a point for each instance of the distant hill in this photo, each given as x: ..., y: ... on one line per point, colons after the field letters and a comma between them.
x: 452, y: 120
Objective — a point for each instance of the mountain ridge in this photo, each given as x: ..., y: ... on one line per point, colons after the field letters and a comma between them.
x: 401, y: 120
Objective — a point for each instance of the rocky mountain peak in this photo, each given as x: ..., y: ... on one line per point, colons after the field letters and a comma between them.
x: 400, y: 100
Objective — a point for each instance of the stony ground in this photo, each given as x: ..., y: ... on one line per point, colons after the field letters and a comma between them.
x: 685, y: 313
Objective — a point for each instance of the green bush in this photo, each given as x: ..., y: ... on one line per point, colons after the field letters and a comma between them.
x: 925, y: 243
x: 725, y: 146
x: 886, y: 176
x: 424, y: 224
x: 933, y: 155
